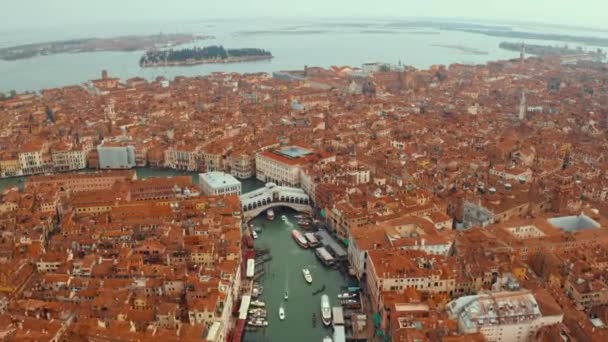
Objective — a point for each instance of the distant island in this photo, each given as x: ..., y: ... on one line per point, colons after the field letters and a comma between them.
x: 546, y: 50
x: 461, y: 48
x: 196, y: 55
x: 123, y: 43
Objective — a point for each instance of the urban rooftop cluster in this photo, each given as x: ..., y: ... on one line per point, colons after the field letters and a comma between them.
x: 472, y: 200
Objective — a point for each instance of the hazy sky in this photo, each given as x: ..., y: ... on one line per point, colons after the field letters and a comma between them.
x: 21, y: 14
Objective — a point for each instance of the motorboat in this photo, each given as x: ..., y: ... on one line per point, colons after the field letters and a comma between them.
x: 270, y: 214
x: 281, y: 313
x: 327, y: 339
x: 258, y: 323
x: 299, y: 238
x: 307, y: 275
x: 347, y: 295
x: 254, y: 234
x: 258, y: 303
x: 257, y: 291
x: 325, y: 310
x: 286, y: 296
x: 284, y: 218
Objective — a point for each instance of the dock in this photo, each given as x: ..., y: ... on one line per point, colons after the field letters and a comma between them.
x: 328, y: 242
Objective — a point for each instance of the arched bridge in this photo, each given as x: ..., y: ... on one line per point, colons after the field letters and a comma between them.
x: 258, y: 201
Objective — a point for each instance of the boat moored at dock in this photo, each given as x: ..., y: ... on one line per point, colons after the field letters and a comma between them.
x: 299, y: 238
x: 325, y: 310
x: 312, y: 239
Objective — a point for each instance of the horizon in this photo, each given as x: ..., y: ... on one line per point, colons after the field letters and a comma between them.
x: 544, y: 12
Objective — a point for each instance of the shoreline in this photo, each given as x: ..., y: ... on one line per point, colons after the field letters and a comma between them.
x: 228, y: 60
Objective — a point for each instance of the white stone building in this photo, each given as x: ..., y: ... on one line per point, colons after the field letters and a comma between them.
x: 219, y: 183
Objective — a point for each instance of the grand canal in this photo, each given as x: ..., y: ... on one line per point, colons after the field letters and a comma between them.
x: 284, y: 272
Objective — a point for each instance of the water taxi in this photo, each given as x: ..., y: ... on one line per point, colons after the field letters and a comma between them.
x: 258, y: 303
x: 270, y: 214
x: 307, y: 275
x: 299, y: 238
x: 347, y: 295
x: 281, y: 313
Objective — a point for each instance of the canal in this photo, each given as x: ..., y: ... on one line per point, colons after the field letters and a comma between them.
x: 283, y: 272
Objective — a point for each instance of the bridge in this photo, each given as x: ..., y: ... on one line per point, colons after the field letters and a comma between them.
x: 258, y: 201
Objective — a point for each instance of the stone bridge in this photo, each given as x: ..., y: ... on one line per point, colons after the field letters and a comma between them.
x: 258, y: 201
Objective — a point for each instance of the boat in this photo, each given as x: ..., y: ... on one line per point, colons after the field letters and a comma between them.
x: 299, y: 216
x: 270, y: 214
x: 258, y: 303
x: 284, y: 218
x: 256, y: 311
x: 324, y: 256
x: 258, y: 323
x: 307, y: 275
x: 350, y: 303
x: 257, y: 229
x: 281, y: 313
x: 327, y: 339
x: 347, y: 295
x: 257, y: 291
x: 312, y: 239
x: 319, y: 290
x: 286, y: 296
x: 325, y: 310
x: 254, y: 234
x: 303, y: 223
x: 299, y: 238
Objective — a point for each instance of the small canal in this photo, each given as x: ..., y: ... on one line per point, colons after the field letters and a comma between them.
x: 283, y: 272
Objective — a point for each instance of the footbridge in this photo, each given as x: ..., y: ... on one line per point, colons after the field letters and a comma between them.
x: 258, y: 201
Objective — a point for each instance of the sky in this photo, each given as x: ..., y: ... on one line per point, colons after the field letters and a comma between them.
x: 32, y: 14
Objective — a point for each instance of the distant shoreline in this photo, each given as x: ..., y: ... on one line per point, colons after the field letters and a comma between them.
x: 462, y: 48
x: 116, y: 44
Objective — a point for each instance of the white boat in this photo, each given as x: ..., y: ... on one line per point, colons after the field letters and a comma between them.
x: 299, y: 238
x: 281, y: 313
x: 284, y: 218
x: 286, y: 296
x: 307, y: 275
x: 347, y: 295
x: 270, y: 214
x: 325, y: 310
x: 258, y: 323
x: 258, y: 303
x: 327, y: 339
x: 254, y: 234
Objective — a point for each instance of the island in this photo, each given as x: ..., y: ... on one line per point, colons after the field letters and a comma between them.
x: 461, y: 48
x: 547, y: 50
x: 123, y: 43
x: 197, y: 55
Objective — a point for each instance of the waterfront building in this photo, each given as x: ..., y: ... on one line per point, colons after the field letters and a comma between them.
x: 505, y: 316
x: 282, y: 165
x: 67, y: 158
x: 184, y: 157
x: 116, y: 156
x: 219, y: 183
x: 77, y: 182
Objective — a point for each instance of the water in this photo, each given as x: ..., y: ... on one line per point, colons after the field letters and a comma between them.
x: 142, y: 173
x: 285, y: 269
x: 313, y: 45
